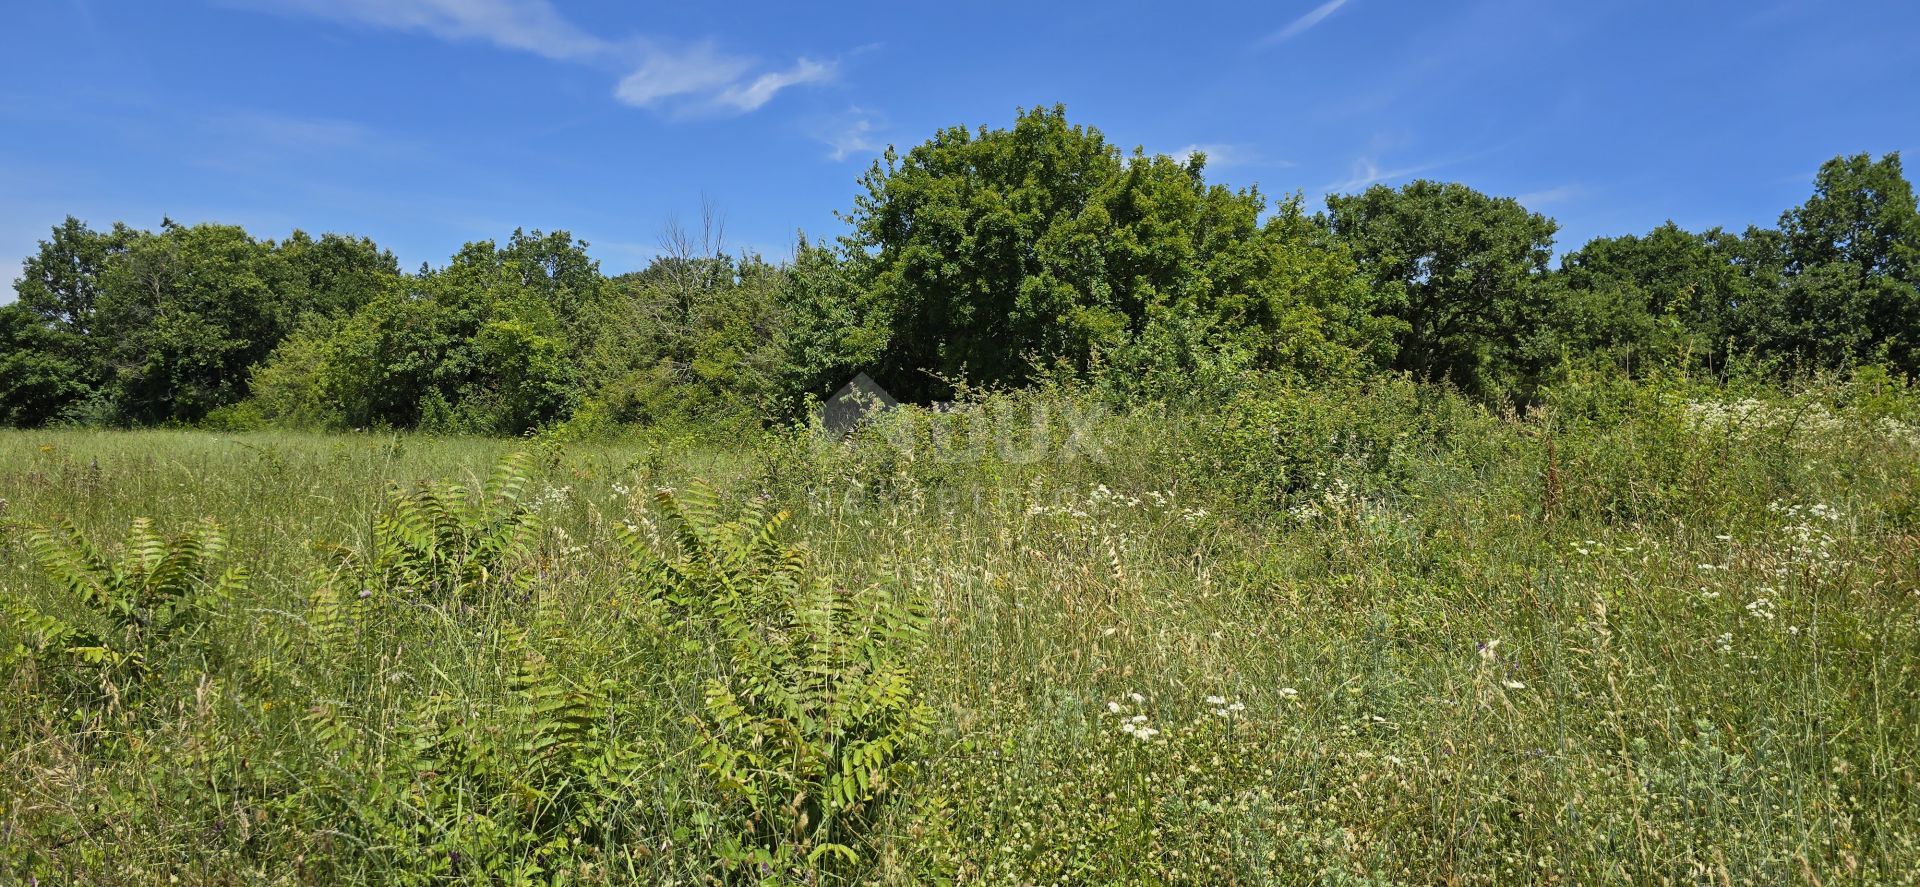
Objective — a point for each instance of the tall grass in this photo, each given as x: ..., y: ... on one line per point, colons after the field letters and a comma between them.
x: 1646, y: 633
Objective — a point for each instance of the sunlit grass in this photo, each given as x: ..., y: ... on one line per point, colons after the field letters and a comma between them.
x: 1656, y: 650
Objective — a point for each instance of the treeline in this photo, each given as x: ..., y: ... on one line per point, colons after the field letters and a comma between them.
x: 989, y: 257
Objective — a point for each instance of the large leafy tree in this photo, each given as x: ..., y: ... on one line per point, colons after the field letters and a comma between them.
x: 699, y: 335
x: 1669, y: 295
x: 985, y: 252
x: 483, y: 345
x: 340, y: 273
x: 1852, y: 256
x: 190, y: 310
x: 39, y: 377
x: 166, y: 326
x: 1469, y: 265
x: 57, y: 321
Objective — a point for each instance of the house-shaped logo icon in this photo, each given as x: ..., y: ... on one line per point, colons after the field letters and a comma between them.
x: 858, y: 401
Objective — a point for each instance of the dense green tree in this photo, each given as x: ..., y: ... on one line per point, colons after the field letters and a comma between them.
x: 189, y: 310
x: 1669, y: 296
x: 61, y: 284
x: 59, y: 292
x: 483, y: 345
x: 836, y: 326
x: 155, y: 327
x: 699, y: 335
x: 340, y: 273
x: 1469, y: 265
x: 1852, y: 254
x: 39, y: 377
x: 983, y: 253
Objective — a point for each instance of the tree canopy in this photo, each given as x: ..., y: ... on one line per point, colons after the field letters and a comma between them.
x: 980, y: 257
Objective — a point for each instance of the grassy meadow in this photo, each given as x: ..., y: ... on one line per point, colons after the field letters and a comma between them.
x: 1646, y: 633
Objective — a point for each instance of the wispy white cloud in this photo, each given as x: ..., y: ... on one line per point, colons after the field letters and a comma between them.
x: 751, y: 96
x: 1222, y: 155
x: 1549, y: 196
x: 657, y: 74
x: 1367, y: 171
x: 528, y: 25
x: 1304, y: 23
x: 665, y: 74
x: 855, y: 132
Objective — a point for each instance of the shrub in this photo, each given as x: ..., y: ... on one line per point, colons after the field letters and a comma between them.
x: 813, y: 713
x: 124, y: 615
x: 443, y: 543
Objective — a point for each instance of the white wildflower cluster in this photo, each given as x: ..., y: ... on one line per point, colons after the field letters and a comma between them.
x: 1592, y: 548
x: 621, y: 490
x: 1102, y: 501
x: 1101, y: 497
x: 553, y: 497
x: 1224, y: 708
x: 1899, y: 431
x: 1135, y: 725
x: 1749, y: 418
x: 1338, y: 500
x: 1806, y: 541
x: 1761, y: 608
x: 568, y: 546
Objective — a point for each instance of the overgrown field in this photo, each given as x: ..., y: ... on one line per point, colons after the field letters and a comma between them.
x: 1646, y: 633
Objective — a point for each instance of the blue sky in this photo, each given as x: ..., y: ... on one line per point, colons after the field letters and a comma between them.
x: 427, y: 123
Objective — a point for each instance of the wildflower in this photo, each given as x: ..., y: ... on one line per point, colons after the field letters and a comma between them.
x: 1138, y: 719
x: 1113, y: 707
x: 1216, y: 700
x: 1137, y: 698
x: 1238, y: 706
x: 1145, y: 733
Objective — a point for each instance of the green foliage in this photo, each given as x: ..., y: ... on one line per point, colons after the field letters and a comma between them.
x: 1853, y: 256
x: 486, y: 345
x: 191, y: 310
x: 985, y: 254
x: 698, y: 336
x: 121, y: 618
x: 530, y: 785
x: 1684, y: 603
x: 1272, y: 445
x: 444, y: 544
x: 40, y: 380
x: 982, y: 258
x: 814, y: 715
x: 1469, y: 265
